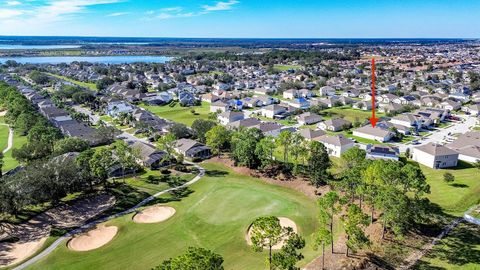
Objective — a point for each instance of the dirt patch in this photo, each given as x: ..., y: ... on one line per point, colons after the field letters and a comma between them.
x: 93, y: 239
x: 3, y: 113
x: 32, y: 234
x: 296, y: 183
x: 154, y: 214
x: 284, y: 222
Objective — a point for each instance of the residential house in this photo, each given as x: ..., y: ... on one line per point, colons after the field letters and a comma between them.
x: 219, y: 106
x: 382, y: 152
x: 435, y: 156
x: 336, y: 144
x: 310, y: 134
x: 308, y: 118
x: 192, y: 149
x: 228, y: 117
x: 273, y: 111
x: 150, y: 156
x: 374, y: 133
x: 336, y: 124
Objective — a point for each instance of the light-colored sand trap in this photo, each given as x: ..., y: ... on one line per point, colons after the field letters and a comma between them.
x: 154, y: 214
x: 19, y: 251
x: 93, y: 239
x: 285, y: 223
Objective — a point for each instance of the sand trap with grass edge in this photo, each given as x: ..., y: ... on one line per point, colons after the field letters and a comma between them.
x: 154, y: 214
x: 93, y: 239
x: 284, y: 222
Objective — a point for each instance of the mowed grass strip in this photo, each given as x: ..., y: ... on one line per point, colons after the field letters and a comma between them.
x: 4, y: 130
x: 459, y: 250
x: 181, y: 114
x: 454, y: 198
x: 215, y: 216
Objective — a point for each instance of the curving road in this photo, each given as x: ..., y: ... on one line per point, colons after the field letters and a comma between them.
x: 87, y: 226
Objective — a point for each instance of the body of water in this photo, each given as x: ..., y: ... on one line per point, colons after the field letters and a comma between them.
x: 36, y: 47
x: 122, y: 59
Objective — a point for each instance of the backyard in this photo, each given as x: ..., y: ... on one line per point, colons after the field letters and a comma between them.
x: 181, y: 114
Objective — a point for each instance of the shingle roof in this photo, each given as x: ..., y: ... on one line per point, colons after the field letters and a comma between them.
x: 436, y: 149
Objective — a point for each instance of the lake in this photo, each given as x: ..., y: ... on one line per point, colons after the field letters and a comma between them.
x: 121, y: 59
x: 36, y: 47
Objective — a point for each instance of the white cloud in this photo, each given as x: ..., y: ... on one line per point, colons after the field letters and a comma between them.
x: 9, y: 13
x: 13, y: 3
x: 117, y: 14
x: 172, y: 9
x: 221, y: 6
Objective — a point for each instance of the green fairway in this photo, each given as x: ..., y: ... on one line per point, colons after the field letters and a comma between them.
x: 459, y: 250
x: 88, y: 85
x: 18, y: 141
x: 3, y: 137
x: 181, y: 114
x: 215, y: 216
x: 454, y: 198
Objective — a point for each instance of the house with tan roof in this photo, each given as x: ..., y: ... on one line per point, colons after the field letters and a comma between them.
x: 336, y: 144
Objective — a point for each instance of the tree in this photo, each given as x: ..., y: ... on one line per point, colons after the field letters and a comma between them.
x: 264, y: 150
x: 477, y: 164
x: 318, y: 164
x: 323, y: 238
x: 124, y: 155
x: 70, y: 144
x: 83, y: 165
x: 266, y: 232
x: 288, y: 256
x: 353, y: 157
x: 244, y: 143
x: 200, y: 127
x: 167, y: 144
x: 180, y: 131
x: 284, y: 140
x: 354, y: 222
x: 217, y: 138
x: 329, y: 204
x: 448, y: 177
x: 100, y: 164
x: 39, y: 77
x: 194, y: 259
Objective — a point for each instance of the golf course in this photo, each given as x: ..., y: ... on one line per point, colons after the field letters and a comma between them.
x: 215, y: 216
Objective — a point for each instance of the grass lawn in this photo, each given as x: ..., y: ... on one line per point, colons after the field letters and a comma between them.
x: 18, y: 141
x: 454, y: 198
x: 181, y: 114
x: 349, y: 113
x: 3, y: 137
x: 459, y: 250
x: 215, y: 216
x: 141, y: 184
x: 88, y: 85
x: 286, y: 67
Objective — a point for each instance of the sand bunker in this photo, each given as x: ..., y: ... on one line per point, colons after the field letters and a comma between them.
x: 17, y: 252
x: 93, y: 239
x: 285, y: 223
x: 154, y: 214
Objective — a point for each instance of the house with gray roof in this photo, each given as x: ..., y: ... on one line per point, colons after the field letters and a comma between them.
x: 435, y: 156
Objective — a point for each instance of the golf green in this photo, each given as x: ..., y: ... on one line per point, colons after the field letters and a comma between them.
x: 215, y: 216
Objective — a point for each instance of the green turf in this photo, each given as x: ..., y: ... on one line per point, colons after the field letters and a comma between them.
x: 18, y: 141
x: 349, y: 113
x: 88, y: 85
x: 215, y: 216
x: 3, y: 137
x: 181, y: 114
x: 459, y: 250
x: 286, y: 67
x: 139, y: 182
x: 454, y: 198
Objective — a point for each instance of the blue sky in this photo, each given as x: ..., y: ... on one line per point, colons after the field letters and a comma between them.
x: 243, y: 18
